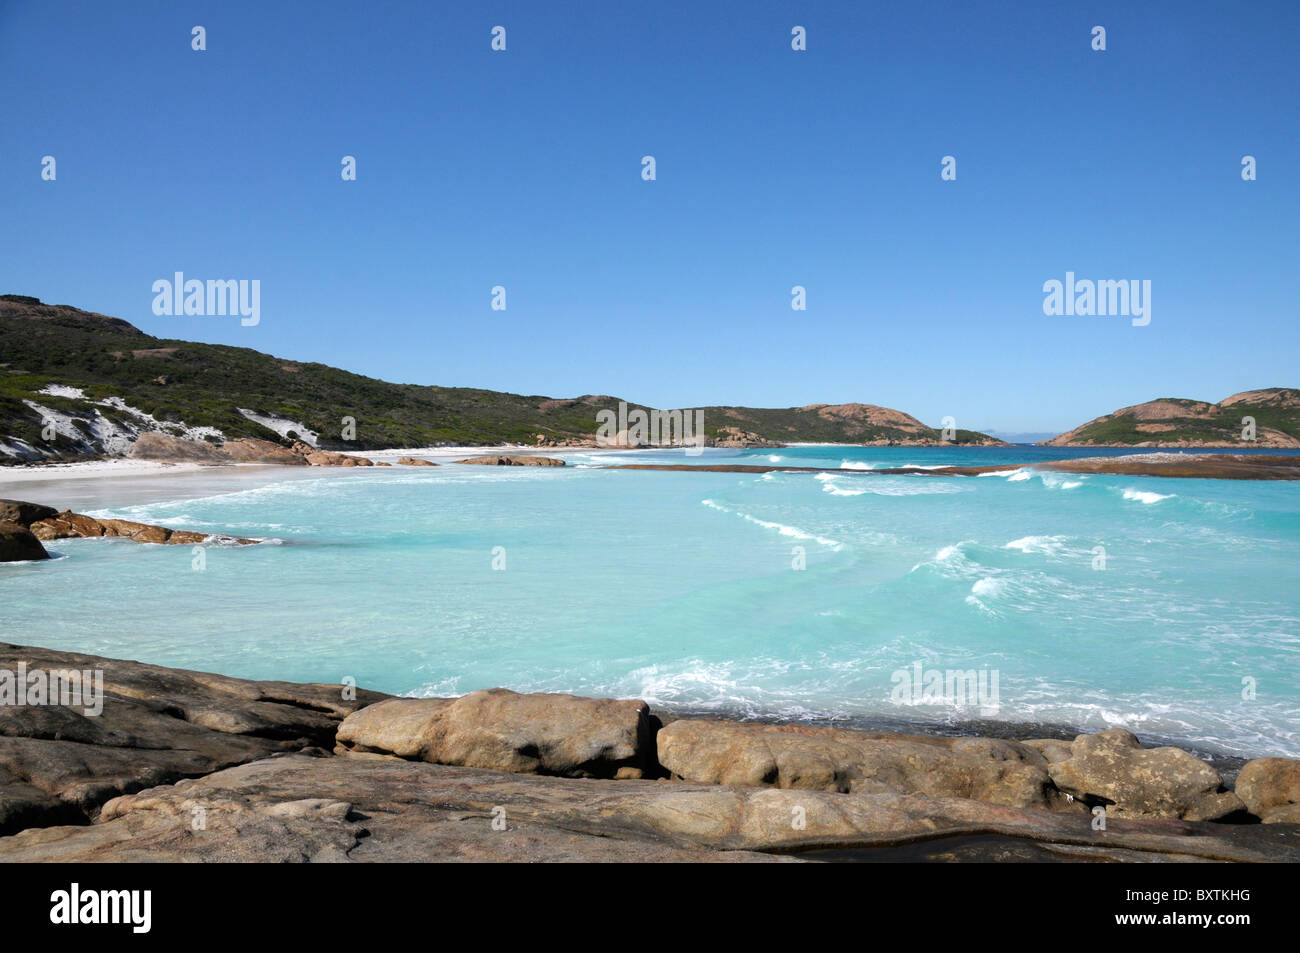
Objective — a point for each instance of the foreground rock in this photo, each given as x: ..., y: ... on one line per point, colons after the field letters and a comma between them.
x: 513, y: 461
x: 18, y: 544
x: 1111, y: 768
x: 415, y: 462
x: 1270, y: 788
x: 506, y: 731
x: 166, y: 765
x: 300, y: 808
x: 154, y: 725
x: 815, y: 758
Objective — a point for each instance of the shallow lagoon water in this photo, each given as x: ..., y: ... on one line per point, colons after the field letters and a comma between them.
x: 680, y: 588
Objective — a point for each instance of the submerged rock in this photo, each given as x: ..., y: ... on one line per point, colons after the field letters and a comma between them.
x: 513, y: 461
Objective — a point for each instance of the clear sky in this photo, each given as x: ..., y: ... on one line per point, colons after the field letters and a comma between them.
x: 775, y: 168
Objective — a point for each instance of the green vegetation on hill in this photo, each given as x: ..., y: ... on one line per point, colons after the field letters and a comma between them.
x: 1176, y: 421
x: 206, y: 384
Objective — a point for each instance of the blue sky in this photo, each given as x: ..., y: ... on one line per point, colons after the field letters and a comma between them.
x: 775, y: 168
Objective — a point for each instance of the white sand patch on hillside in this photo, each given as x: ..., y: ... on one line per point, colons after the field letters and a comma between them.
x: 62, y: 390
x: 282, y: 426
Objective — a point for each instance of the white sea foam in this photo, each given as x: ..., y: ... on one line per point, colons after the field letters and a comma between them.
x: 834, y: 490
x: 1146, y: 496
x: 784, y: 530
x: 885, y: 486
x: 1048, y: 545
x: 988, y: 587
x: 856, y: 465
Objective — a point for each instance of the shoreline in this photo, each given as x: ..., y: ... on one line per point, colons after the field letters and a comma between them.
x: 1158, y: 464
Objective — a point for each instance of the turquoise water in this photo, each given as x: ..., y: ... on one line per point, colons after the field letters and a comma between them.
x: 680, y: 588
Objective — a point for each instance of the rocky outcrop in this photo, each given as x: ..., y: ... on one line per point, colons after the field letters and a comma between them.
x: 164, y: 448
x: 328, y: 458
x: 1270, y: 789
x: 69, y: 525
x: 514, y: 461
x: 164, y: 765
x: 1199, y: 466
x: 18, y: 544
x: 1112, y: 769
x: 415, y: 462
x: 506, y: 731
x: 734, y: 437
x: 161, y: 447
x: 570, y: 443
x: 1218, y: 466
x: 253, y: 450
x: 295, y: 808
x: 60, y: 762
x: 814, y: 758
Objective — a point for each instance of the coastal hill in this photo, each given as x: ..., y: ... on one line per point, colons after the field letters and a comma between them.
x: 1173, y: 422
x: 93, y: 384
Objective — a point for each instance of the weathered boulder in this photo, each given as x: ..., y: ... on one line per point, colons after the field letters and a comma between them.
x: 1270, y: 789
x: 1053, y: 749
x: 506, y: 731
x: 295, y: 807
x: 24, y: 514
x: 18, y: 544
x: 68, y: 525
x: 60, y: 762
x: 166, y: 448
x: 816, y: 758
x: 415, y: 462
x: 328, y: 458
x: 253, y: 450
x: 1112, y: 768
x: 514, y: 461
x: 140, y: 532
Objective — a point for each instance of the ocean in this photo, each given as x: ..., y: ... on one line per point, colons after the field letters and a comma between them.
x: 1168, y: 607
